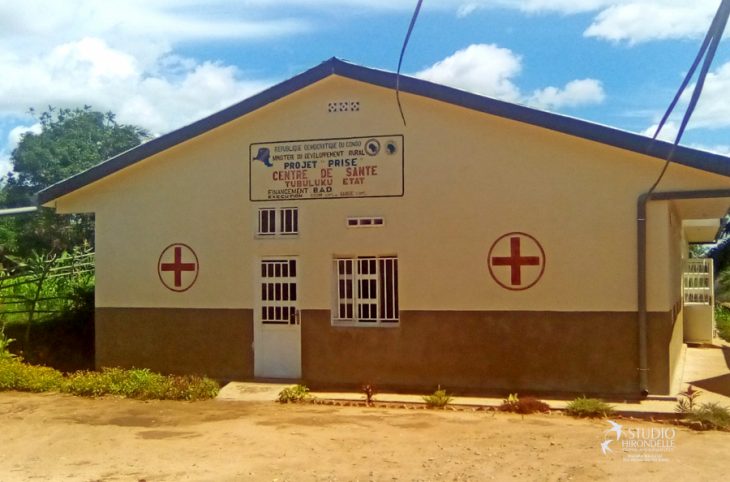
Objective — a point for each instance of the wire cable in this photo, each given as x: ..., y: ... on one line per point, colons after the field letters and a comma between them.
x: 400, y: 61
x: 707, y: 50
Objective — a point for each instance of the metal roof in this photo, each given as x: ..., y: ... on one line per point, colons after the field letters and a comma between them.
x: 706, y: 161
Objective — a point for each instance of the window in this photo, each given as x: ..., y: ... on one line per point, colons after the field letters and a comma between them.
x: 366, y: 290
x: 278, y: 221
x: 361, y: 222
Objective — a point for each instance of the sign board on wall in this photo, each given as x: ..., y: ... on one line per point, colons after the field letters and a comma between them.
x: 327, y: 168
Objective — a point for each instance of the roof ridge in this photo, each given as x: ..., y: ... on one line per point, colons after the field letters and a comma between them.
x: 707, y: 161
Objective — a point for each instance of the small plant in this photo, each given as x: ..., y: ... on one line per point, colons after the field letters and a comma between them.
x: 589, y: 407
x: 525, y: 405
x: 438, y: 399
x: 4, y: 343
x: 711, y: 416
x: 294, y: 394
x: 370, y: 391
x: 686, y: 402
x: 510, y: 403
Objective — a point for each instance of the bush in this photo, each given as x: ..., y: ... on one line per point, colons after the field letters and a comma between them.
x: 438, y: 399
x: 711, y: 416
x: 135, y: 383
x: 16, y: 375
x: 191, y: 388
x: 141, y: 384
x: 525, y: 405
x: 589, y: 407
x: 722, y: 321
x: 293, y: 394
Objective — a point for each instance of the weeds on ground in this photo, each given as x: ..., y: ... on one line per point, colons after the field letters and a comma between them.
x: 707, y: 416
x: 710, y: 416
x: 589, y: 407
x: 525, y: 405
x: 294, y: 394
x: 139, y: 384
x: 438, y: 399
x: 510, y: 403
x: 686, y: 402
x: 370, y: 390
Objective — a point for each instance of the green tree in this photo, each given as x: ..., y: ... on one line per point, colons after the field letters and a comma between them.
x: 70, y: 141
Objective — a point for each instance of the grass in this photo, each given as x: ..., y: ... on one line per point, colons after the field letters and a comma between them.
x: 438, y: 399
x: 722, y: 321
x: 524, y: 405
x: 711, y: 416
x: 141, y: 384
x: 293, y: 394
x: 589, y: 407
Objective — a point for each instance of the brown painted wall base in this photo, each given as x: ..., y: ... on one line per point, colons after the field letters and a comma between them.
x: 584, y: 353
x: 212, y: 342
x: 591, y: 353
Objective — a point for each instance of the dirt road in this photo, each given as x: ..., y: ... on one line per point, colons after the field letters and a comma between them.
x: 59, y: 437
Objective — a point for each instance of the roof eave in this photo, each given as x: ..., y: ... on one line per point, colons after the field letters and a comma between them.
x: 706, y: 161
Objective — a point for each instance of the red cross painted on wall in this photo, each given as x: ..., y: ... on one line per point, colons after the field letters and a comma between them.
x: 178, y: 267
x: 522, y: 255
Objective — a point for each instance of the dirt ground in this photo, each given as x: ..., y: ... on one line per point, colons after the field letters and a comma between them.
x: 60, y: 437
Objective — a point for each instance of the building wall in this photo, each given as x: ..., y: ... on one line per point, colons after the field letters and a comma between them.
x: 488, y: 351
x: 469, y: 179
x: 213, y: 342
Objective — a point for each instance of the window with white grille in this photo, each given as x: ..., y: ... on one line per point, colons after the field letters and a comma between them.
x: 366, y: 290
x: 278, y: 221
x: 279, y: 292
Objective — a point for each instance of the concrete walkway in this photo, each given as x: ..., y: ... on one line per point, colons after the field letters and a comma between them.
x: 706, y: 368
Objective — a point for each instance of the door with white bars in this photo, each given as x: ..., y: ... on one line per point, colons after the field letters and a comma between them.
x: 277, y: 333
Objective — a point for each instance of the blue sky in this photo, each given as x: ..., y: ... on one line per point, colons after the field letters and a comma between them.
x: 161, y: 64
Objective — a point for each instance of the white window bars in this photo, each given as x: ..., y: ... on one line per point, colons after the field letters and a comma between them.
x: 278, y: 221
x: 366, y: 290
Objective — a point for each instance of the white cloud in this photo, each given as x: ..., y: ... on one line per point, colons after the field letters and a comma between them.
x: 713, y: 109
x: 5, y: 164
x: 160, y: 96
x: 13, y: 139
x: 668, y: 133
x: 490, y: 70
x: 631, y: 21
x: 152, y: 21
x: 557, y: 6
x: 481, y: 68
x: 636, y: 22
x: 575, y: 93
x: 119, y: 56
x: 141, y: 25
x: 16, y: 134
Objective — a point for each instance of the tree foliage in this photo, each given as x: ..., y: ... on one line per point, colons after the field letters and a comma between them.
x: 70, y: 141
